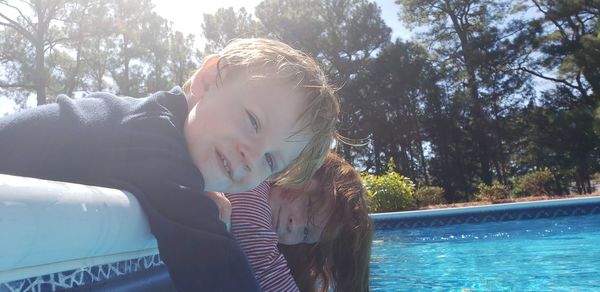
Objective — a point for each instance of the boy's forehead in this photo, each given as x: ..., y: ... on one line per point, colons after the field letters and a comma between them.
x: 281, y: 103
x: 271, y: 86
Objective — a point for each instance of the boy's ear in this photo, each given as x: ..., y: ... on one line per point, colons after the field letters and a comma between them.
x: 206, y: 77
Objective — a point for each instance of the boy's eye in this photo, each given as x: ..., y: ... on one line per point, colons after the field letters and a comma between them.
x: 270, y: 161
x: 253, y: 120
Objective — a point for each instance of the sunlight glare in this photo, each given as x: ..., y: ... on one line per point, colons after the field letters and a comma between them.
x: 187, y: 15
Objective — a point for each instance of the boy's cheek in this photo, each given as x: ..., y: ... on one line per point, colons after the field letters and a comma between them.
x: 249, y: 184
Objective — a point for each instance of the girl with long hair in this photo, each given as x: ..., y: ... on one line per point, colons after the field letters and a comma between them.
x: 314, y: 238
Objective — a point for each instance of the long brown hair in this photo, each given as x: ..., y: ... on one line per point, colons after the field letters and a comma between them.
x: 339, y: 261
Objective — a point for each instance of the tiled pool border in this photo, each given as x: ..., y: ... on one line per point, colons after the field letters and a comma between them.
x: 83, y: 276
x: 409, y: 219
x: 488, y: 213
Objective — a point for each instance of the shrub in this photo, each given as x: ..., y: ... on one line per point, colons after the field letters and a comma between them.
x: 535, y: 183
x: 430, y: 195
x: 495, y: 192
x: 390, y: 191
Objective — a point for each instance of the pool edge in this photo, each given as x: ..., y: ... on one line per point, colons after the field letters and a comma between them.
x: 485, y: 208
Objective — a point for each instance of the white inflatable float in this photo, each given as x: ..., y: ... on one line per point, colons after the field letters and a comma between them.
x: 48, y: 227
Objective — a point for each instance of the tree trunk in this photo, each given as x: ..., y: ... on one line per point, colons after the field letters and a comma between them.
x: 376, y: 151
x: 74, y: 78
x: 478, y: 119
x: 40, y: 33
x: 423, y: 161
x: 40, y: 76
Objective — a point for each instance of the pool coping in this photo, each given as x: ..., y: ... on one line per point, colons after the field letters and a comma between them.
x: 485, y: 208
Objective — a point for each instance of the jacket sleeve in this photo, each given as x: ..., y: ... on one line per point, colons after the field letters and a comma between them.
x: 38, y: 142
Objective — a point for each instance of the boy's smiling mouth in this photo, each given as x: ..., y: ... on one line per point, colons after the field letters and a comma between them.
x: 225, y: 163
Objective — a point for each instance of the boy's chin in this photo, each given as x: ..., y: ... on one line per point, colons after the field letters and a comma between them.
x: 222, y: 187
x: 213, y: 186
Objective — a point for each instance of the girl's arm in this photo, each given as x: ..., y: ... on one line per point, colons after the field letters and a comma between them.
x: 251, y: 225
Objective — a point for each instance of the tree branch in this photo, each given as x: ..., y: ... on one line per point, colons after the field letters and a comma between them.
x: 545, y: 12
x: 15, y: 25
x: 26, y: 2
x: 20, y: 13
x: 53, y: 43
x: 582, y: 88
x: 561, y: 81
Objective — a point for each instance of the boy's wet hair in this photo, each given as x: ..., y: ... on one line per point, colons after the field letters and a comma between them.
x: 266, y: 59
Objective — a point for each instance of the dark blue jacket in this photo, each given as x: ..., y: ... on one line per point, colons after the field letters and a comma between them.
x: 135, y: 145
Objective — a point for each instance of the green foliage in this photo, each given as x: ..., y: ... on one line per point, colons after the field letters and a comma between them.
x: 569, y: 56
x: 494, y: 192
x: 430, y: 195
x: 81, y: 45
x: 572, y: 49
x: 466, y: 40
x: 227, y: 24
x: 395, y: 103
x: 342, y: 35
x: 535, y: 183
x: 389, y: 192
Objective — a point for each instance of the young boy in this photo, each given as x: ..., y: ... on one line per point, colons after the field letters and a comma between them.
x: 258, y: 109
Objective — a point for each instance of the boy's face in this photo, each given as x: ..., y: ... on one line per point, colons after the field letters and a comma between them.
x: 297, y: 217
x: 242, y: 132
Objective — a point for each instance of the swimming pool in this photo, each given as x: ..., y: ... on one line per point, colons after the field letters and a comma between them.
x: 515, y: 247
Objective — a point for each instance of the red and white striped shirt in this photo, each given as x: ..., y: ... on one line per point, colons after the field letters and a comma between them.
x: 251, y: 225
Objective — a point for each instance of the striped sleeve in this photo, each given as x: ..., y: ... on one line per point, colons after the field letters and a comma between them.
x: 251, y: 225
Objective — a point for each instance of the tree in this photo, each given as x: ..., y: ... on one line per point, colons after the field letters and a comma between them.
x: 472, y: 44
x: 31, y: 21
x: 567, y: 52
x: 181, y: 57
x: 154, y: 39
x: 130, y: 19
x: 559, y: 140
x: 98, y: 53
x: 227, y: 24
x: 83, y: 23
x: 392, y: 94
x: 342, y: 34
x: 567, y: 37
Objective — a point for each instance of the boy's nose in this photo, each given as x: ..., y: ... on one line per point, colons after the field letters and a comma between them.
x: 250, y: 158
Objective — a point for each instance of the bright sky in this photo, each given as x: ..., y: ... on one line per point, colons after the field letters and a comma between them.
x: 6, y: 105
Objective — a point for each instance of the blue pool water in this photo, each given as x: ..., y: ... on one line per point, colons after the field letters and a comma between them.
x: 550, y: 254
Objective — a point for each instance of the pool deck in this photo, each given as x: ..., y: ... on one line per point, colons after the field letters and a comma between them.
x: 557, y: 203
